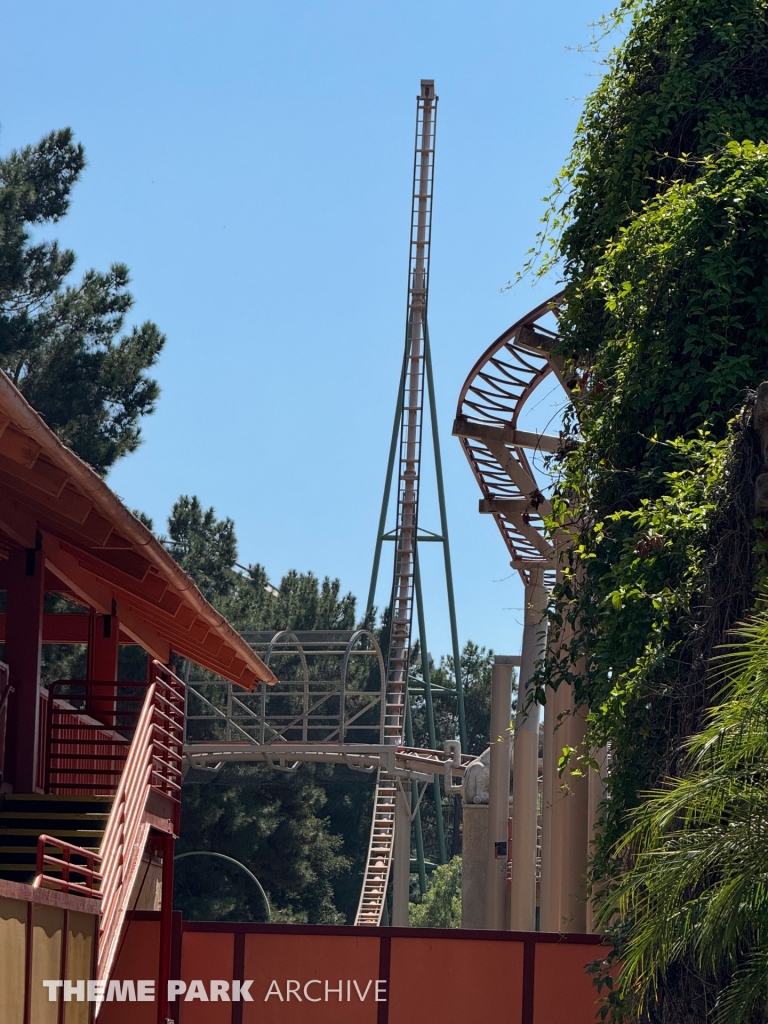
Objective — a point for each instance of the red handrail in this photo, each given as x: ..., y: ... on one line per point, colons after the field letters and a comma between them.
x: 92, y: 877
x: 153, y: 765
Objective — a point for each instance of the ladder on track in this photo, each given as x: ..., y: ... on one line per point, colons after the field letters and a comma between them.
x: 380, y: 847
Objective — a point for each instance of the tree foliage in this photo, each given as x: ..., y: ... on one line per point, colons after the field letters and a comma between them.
x: 303, y: 834
x: 696, y: 889
x: 441, y: 906
x: 62, y: 343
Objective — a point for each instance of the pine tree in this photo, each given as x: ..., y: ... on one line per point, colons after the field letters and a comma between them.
x: 304, y: 834
x: 61, y: 343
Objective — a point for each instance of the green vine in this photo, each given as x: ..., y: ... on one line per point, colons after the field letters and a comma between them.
x: 660, y: 225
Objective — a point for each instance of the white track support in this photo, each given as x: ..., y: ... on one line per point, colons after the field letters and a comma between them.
x: 526, y: 761
x: 498, y: 797
x: 596, y: 796
x: 402, y: 871
x: 489, y: 424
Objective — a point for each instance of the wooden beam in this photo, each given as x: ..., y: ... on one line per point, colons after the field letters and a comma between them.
x: 61, y: 514
x: 138, y: 628
x: 16, y: 522
x: 90, y: 590
x: 23, y: 649
x: 43, y: 476
x: 19, y: 448
x: 63, y: 628
x: 99, y: 597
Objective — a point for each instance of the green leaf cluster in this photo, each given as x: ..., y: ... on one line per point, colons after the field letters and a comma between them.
x: 441, y: 906
x: 696, y: 892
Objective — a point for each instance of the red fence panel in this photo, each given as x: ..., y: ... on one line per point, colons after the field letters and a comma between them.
x: 425, y: 975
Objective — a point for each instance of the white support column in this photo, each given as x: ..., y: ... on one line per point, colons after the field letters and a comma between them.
x: 548, y: 785
x: 596, y: 787
x: 498, y: 797
x: 401, y: 869
x: 575, y: 807
x: 565, y: 881
x: 526, y: 761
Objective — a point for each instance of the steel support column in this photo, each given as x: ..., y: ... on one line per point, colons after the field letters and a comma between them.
x: 526, y: 760
x: 596, y: 786
x: 547, y: 794
x: 103, y: 649
x: 165, y: 844
x: 401, y: 869
x: 566, y: 909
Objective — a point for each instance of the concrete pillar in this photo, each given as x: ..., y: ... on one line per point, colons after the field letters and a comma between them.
x: 526, y: 762
x: 556, y: 737
x: 575, y: 843
x: 23, y: 649
x: 498, y: 791
x: 564, y: 908
x: 401, y: 869
x: 596, y: 793
x: 548, y: 782
x: 474, y: 864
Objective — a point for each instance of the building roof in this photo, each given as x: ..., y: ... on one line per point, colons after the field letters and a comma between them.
x: 102, y: 553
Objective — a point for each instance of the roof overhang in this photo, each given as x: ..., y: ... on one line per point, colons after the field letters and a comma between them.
x: 102, y: 553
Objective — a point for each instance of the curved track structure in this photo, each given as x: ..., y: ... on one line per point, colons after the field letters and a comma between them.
x: 489, y: 412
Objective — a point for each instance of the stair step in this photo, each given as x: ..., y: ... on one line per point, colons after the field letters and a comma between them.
x: 8, y: 820
x: 84, y: 833
x: 42, y: 803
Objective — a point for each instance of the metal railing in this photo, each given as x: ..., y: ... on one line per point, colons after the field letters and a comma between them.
x: 79, y: 754
x: 323, y: 696
x: 91, y: 878
x: 153, y: 764
x: 5, y: 693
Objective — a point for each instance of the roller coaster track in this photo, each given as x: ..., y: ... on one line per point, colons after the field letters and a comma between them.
x: 487, y: 422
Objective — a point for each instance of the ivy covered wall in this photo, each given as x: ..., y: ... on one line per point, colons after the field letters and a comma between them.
x: 660, y: 224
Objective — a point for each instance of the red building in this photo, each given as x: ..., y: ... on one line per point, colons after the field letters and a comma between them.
x: 91, y: 769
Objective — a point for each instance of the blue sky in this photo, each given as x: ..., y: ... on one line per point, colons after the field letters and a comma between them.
x: 251, y: 163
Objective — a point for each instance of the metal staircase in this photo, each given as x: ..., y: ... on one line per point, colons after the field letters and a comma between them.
x: 76, y: 820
